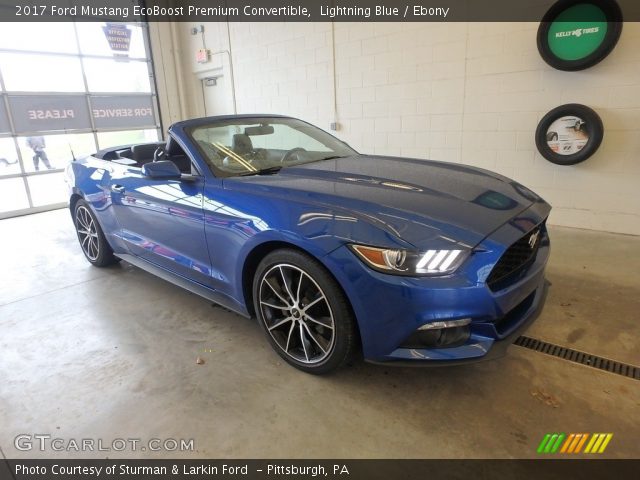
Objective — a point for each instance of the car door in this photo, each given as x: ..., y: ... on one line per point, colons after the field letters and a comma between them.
x: 161, y: 220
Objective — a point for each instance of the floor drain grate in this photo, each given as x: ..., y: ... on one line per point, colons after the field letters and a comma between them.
x: 577, y: 356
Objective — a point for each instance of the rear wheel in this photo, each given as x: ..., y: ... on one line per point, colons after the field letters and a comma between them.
x: 92, y: 240
x: 303, y: 311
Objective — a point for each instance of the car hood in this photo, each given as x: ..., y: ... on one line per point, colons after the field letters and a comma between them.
x: 416, y: 200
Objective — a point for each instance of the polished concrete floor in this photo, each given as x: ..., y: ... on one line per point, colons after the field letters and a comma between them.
x: 111, y: 353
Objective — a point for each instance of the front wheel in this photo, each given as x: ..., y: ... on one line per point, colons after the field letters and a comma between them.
x: 92, y: 240
x: 303, y: 312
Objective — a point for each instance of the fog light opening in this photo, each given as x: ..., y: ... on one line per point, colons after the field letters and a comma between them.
x: 446, y: 324
x: 444, y: 334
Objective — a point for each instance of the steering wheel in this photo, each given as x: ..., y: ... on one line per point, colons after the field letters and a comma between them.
x: 159, y: 154
x: 290, y: 153
x: 259, y: 154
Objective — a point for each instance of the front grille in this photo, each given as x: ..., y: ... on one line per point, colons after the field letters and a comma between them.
x: 515, y: 260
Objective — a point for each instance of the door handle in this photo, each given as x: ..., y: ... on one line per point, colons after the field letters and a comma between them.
x: 117, y: 188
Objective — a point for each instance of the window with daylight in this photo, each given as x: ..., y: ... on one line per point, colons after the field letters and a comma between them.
x: 66, y: 91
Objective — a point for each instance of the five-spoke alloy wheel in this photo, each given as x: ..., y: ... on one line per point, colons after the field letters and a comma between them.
x: 87, y: 233
x: 94, y: 245
x: 303, y: 311
x: 296, y: 313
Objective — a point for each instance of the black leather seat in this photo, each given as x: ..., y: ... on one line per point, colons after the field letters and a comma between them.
x: 182, y: 162
x: 176, y: 154
x: 144, y: 153
x: 241, y: 144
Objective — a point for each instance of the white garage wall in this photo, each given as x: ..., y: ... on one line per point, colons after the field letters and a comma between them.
x: 165, y: 55
x: 460, y: 92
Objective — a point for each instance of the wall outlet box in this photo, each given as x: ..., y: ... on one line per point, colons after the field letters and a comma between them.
x: 335, y: 126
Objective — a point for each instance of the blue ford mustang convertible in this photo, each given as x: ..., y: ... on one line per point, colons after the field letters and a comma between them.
x: 335, y: 252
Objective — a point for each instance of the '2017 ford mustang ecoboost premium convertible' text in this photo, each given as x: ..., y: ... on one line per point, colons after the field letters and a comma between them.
x: 413, y: 261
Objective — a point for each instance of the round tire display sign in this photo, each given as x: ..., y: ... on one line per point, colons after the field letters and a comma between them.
x: 566, y: 136
x: 569, y: 134
x: 570, y: 43
x: 576, y: 34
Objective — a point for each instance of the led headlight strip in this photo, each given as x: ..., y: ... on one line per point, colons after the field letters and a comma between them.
x: 407, y: 262
x: 438, y: 260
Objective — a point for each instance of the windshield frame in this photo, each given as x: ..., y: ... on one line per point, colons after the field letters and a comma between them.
x: 250, y: 120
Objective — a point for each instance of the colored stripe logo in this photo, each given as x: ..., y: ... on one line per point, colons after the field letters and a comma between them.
x: 574, y: 443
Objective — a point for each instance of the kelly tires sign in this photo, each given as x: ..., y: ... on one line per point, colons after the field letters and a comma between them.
x: 577, y: 34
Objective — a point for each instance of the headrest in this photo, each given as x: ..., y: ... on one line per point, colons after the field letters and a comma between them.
x: 241, y: 143
x: 144, y: 152
x: 173, y: 148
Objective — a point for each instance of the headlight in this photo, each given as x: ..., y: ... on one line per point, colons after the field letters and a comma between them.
x: 411, y: 263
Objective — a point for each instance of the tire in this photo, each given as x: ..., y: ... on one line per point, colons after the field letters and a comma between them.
x: 593, y: 127
x: 303, y: 312
x: 614, y: 17
x: 93, y: 243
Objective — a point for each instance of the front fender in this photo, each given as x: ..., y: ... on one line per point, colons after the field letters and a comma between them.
x: 90, y: 179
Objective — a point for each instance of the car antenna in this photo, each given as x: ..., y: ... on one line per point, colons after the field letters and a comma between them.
x: 73, y: 156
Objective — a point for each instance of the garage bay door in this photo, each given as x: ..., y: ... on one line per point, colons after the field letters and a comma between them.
x: 67, y: 90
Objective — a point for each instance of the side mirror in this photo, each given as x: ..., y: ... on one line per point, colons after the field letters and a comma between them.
x: 163, y: 169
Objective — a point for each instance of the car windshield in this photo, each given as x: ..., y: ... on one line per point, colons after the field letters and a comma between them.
x: 263, y: 145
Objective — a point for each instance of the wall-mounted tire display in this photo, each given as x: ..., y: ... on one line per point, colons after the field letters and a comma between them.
x: 577, y: 34
x: 569, y: 134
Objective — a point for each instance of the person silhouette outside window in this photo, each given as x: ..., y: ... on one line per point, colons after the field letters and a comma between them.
x: 37, y: 145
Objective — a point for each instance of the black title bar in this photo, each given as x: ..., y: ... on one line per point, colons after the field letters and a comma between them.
x: 289, y: 10
x: 110, y: 469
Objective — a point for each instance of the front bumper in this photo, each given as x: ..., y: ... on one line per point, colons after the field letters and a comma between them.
x: 389, y: 309
x: 478, y: 348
